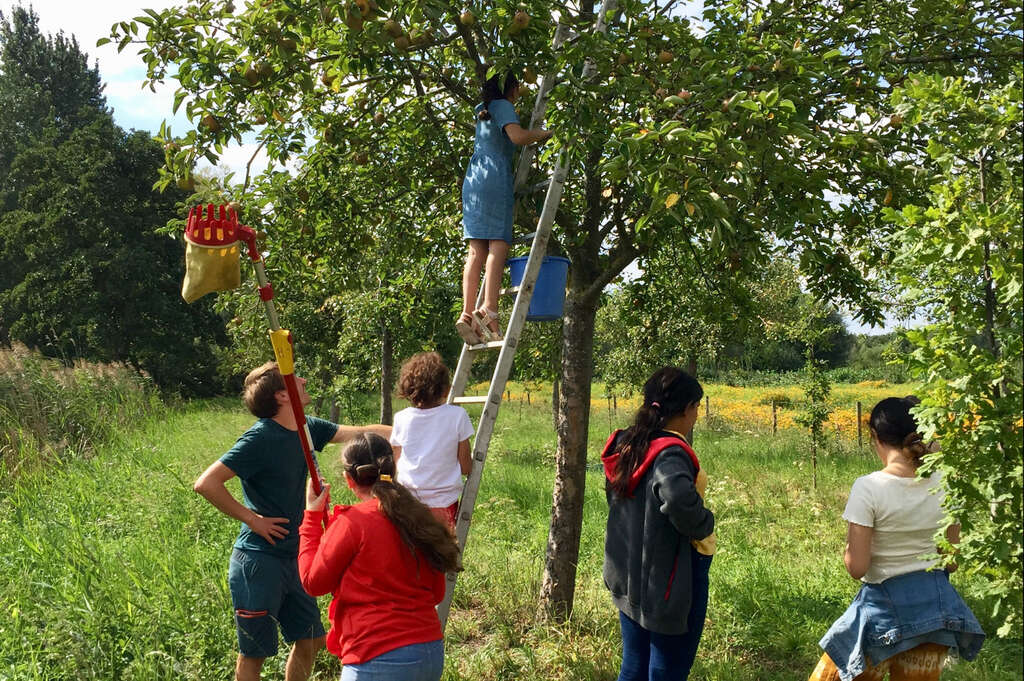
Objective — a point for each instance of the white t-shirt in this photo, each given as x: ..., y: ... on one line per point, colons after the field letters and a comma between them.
x: 905, y: 514
x: 429, y: 463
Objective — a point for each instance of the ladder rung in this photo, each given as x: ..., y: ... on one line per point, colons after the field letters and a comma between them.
x: 525, y: 239
x: 490, y: 345
x: 510, y: 291
x: 534, y: 188
x: 470, y: 399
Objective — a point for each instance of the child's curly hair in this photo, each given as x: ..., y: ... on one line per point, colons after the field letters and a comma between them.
x: 424, y: 379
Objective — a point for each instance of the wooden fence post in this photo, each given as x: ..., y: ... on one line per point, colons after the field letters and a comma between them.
x: 775, y: 419
x: 707, y: 406
x: 860, y: 436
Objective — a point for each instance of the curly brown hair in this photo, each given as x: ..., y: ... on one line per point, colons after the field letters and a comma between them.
x: 424, y: 380
x: 260, y: 390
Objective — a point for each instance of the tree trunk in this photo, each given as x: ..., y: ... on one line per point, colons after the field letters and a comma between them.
x: 387, y: 376
x: 554, y: 402
x: 990, y: 296
x: 559, y: 582
x: 691, y: 368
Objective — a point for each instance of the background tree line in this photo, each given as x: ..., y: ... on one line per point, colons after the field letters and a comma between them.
x: 84, y: 271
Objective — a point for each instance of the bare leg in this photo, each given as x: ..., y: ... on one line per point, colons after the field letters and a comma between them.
x: 497, y: 252
x: 471, y: 273
x: 248, y: 668
x: 300, y: 660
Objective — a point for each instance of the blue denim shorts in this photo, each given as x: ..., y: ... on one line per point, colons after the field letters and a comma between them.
x: 266, y: 593
x: 416, y: 662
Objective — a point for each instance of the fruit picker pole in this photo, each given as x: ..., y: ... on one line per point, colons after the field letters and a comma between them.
x: 212, y: 238
x: 284, y: 348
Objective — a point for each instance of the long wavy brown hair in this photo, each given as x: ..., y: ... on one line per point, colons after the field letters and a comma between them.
x: 368, y: 457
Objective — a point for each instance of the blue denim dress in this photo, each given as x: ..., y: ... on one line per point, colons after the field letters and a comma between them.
x: 899, y: 614
x: 487, y: 197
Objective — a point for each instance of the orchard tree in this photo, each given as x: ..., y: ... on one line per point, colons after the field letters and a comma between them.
x: 359, y: 303
x: 958, y: 258
x: 680, y: 313
x: 735, y: 138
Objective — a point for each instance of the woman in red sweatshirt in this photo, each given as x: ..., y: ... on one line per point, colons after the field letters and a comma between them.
x: 384, y: 560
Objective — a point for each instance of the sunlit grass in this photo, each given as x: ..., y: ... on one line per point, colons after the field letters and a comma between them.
x: 112, y: 568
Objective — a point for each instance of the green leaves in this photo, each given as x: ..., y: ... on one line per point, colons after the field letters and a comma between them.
x: 958, y: 255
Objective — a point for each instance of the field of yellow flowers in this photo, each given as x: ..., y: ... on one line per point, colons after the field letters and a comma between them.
x: 743, y: 409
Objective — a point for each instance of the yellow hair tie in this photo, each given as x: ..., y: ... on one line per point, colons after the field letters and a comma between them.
x: 385, y: 478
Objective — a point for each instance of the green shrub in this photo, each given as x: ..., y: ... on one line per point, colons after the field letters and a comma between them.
x: 50, y: 412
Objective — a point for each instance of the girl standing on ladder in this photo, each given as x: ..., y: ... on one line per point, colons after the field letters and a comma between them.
x: 487, y: 204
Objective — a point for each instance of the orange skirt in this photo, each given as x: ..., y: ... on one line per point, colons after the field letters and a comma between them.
x: 923, y: 663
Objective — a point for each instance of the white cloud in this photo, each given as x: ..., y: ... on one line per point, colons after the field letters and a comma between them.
x: 123, y: 72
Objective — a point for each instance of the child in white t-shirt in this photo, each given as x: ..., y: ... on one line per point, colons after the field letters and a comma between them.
x: 431, y: 438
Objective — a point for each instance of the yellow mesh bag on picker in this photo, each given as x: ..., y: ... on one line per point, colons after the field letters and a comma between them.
x: 211, y: 252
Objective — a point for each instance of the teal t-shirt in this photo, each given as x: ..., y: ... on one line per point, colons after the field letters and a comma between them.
x: 268, y: 460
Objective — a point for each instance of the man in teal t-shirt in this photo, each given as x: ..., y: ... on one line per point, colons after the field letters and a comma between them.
x: 263, y: 572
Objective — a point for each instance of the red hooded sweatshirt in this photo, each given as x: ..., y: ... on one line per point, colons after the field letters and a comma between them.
x: 610, y: 458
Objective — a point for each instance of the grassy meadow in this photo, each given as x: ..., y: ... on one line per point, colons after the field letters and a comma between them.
x: 112, y: 568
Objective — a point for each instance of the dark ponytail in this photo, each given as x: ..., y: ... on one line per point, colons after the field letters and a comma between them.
x: 496, y: 87
x: 668, y: 392
x: 894, y: 425
x: 366, y: 459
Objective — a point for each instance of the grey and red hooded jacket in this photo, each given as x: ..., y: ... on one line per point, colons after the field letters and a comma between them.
x: 647, y: 550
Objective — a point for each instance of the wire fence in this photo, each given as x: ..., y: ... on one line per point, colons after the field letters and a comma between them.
x: 743, y: 410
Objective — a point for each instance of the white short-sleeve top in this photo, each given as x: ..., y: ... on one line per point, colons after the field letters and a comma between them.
x: 905, y: 514
x: 429, y: 464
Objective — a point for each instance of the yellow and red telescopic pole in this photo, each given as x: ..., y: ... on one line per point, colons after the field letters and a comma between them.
x: 217, y: 232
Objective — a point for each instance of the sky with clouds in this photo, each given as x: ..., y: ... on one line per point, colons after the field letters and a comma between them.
x: 124, y: 72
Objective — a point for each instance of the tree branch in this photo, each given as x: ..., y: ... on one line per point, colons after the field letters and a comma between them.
x: 619, y: 259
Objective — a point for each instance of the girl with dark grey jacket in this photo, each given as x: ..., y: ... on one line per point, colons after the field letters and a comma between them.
x: 659, y: 540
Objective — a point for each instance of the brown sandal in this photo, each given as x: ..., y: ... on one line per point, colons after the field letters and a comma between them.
x: 464, y: 325
x: 485, y: 317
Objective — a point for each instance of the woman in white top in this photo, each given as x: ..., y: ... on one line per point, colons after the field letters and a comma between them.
x: 431, y: 438
x: 906, y: 616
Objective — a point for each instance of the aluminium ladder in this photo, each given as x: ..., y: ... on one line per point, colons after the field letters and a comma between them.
x: 524, y: 292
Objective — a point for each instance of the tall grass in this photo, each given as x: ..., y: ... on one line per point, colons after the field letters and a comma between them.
x: 52, y: 412
x: 112, y: 569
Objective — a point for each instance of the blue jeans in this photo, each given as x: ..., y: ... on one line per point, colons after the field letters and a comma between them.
x: 416, y: 662
x: 650, y: 656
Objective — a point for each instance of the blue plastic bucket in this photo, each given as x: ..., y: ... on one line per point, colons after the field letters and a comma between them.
x: 549, y: 291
